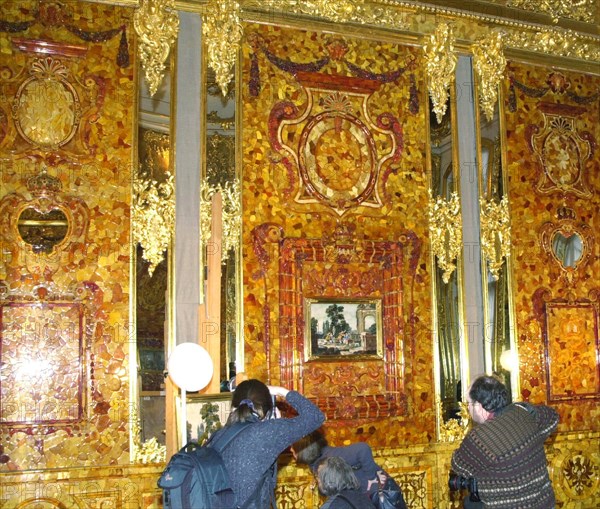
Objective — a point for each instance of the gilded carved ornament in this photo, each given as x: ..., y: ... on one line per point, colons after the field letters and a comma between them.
x: 440, y: 64
x: 157, y: 24
x: 149, y: 451
x: 231, y: 215
x: 454, y: 430
x: 153, y: 217
x: 495, y: 233
x: 445, y: 231
x: 223, y: 32
x: 582, y: 10
x: 342, y: 11
x: 489, y: 63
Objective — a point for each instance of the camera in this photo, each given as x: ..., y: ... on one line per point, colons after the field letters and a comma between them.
x: 458, y: 482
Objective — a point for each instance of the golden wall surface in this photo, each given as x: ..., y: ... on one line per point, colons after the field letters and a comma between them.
x: 312, y: 230
x: 326, y: 219
x: 552, y: 127
x: 66, y: 137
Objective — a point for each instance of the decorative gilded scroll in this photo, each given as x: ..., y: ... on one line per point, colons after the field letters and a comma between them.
x: 440, y: 62
x: 146, y: 452
x: 489, y: 63
x: 454, y: 430
x: 561, y: 151
x: 231, y: 215
x: 223, y: 32
x: 157, y: 24
x: 342, y: 11
x: 445, y: 230
x: 495, y: 233
x: 153, y: 217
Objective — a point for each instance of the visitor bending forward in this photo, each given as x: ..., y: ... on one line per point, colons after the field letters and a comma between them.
x: 504, y: 452
x: 339, y: 484
x: 311, y: 449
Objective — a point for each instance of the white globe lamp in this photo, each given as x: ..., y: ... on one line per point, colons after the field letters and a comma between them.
x: 191, y: 369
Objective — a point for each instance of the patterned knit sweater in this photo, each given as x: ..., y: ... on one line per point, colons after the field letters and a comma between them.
x: 506, y: 456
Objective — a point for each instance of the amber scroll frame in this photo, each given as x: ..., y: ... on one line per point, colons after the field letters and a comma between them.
x: 379, y: 270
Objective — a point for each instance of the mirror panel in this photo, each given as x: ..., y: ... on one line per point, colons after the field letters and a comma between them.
x: 444, y: 190
x: 220, y: 174
x: 499, y: 345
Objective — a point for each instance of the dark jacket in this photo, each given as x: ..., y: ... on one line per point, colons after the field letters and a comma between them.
x: 506, y: 456
x: 360, y: 457
x: 256, y: 448
x: 348, y: 499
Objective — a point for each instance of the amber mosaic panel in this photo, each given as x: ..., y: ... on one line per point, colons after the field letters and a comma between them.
x: 548, y: 182
x: 41, y: 354
x: 85, y: 75
x: 572, y: 351
x: 334, y: 153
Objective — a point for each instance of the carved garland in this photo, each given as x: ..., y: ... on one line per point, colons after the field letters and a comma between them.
x: 445, y: 232
x: 495, y: 233
x: 440, y: 64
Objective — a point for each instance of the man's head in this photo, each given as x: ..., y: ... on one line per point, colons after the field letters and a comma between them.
x: 487, y: 396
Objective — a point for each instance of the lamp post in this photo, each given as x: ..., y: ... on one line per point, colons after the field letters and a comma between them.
x: 191, y: 369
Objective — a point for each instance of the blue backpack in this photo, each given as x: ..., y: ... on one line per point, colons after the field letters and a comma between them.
x: 196, y: 477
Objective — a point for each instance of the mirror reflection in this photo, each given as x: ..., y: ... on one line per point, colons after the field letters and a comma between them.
x: 220, y: 174
x: 496, y: 286
x: 443, y: 185
x: 567, y: 249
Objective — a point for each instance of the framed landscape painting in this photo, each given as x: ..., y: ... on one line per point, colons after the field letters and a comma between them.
x: 338, y: 328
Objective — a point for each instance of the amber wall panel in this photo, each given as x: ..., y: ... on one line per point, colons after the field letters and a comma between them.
x: 66, y: 108
x: 552, y: 123
x: 333, y: 166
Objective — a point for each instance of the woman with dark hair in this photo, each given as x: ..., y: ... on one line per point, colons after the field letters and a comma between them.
x: 253, y: 452
x: 339, y: 484
x: 313, y: 448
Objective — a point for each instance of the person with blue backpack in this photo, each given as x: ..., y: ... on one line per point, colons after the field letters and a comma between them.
x: 236, y: 468
x: 251, y: 457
